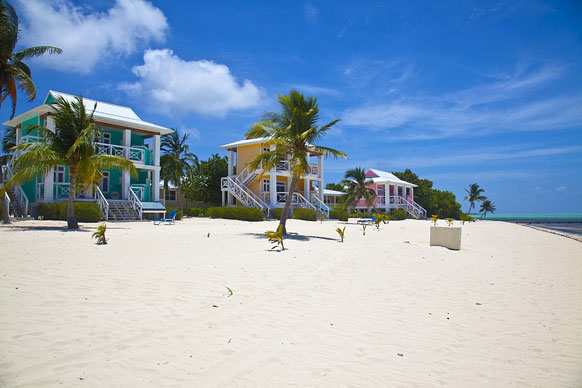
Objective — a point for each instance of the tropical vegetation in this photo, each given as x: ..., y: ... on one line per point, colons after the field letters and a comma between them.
x: 203, y: 182
x: 8, y: 144
x: 355, y: 183
x: 236, y: 213
x: 474, y: 194
x: 72, y: 145
x: 176, y: 161
x: 14, y: 72
x: 341, y: 233
x: 291, y: 133
x: 276, y: 237
x: 486, y: 207
x: 100, y: 235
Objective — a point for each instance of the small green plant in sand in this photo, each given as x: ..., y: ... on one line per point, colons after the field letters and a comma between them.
x: 434, y: 218
x: 450, y: 221
x: 364, y: 228
x: 341, y: 233
x: 276, y: 237
x: 321, y: 218
x: 229, y: 292
x: 466, y: 217
x: 100, y: 235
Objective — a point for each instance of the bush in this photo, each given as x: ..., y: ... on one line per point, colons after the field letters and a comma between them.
x: 338, y: 214
x: 398, y: 214
x: 196, y: 212
x: 236, y: 213
x: 276, y: 213
x: 84, y: 211
x: 178, y: 215
x: 465, y: 217
x: 305, y: 214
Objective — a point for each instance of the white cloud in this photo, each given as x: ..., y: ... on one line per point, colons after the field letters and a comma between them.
x: 173, y: 85
x: 311, y: 12
x: 511, y: 105
x: 314, y: 90
x: 90, y: 38
x: 561, y: 189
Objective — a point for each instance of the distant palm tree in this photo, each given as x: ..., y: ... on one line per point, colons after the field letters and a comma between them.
x: 292, y: 132
x: 474, y: 194
x: 8, y: 143
x: 356, y: 181
x: 73, y: 145
x: 14, y: 73
x: 487, y: 207
x: 177, y: 161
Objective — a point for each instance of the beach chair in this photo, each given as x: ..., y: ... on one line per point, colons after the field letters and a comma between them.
x: 367, y: 220
x: 167, y: 221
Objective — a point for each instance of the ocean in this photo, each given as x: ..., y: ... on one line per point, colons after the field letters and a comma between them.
x: 563, y: 223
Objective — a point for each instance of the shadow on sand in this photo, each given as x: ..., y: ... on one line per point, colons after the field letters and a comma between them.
x: 293, y: 236
x: 63, y: 228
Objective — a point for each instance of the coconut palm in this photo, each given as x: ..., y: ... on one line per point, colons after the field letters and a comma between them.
x: 474, y: 194
x: 486, y: 207
x: 355, y: 181
x: 291, y: 133
x: 176, y: 162
x: 72, y: 145
x: 14, y: 73
x: 8, y: 143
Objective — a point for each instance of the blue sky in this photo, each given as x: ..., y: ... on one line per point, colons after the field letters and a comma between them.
x: 459, y: 92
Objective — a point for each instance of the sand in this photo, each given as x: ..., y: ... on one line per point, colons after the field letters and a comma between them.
x: 151, y: 308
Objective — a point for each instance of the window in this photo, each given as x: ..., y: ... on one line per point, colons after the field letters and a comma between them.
x: 266, y: 185
x: 105, y: 182
x: 106, y: 138
x: 170, y: 195
x: 380, y: 190
x: 59, y: 175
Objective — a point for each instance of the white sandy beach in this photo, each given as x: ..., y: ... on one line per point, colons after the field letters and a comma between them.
x: 381, y: 310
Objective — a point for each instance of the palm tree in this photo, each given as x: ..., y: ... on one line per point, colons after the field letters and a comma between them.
x: 8, y: 142
x: 291, y: 132
x: 487, y: 207
x: 177, y: 161
x: 355, y: 180
x: 14, y: 73
x: 73, y: 145
x: 474, y: 194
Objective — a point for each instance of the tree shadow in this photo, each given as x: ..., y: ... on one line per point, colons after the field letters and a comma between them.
x: 57, y: 228
x: 293, y: 236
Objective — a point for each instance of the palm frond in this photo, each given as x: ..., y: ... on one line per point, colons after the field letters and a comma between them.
x: 36, y: 51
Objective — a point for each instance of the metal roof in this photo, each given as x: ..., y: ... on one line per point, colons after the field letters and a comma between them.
x: 384, y: 176
x: 105, y: 113
x: 257, y: 140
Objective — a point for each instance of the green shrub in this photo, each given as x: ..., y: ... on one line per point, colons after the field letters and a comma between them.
x: 196, y: 212
x: 84, y: 211
x: 338, y: 214
x: 398, y: 214
x: 465, y: 217
x: 276, y: 213
x: 178, y: 215
x: 364, y: 215
x: 236, y: 213
x: 305, y: 214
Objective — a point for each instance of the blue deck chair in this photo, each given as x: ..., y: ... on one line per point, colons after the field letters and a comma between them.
x: 367, y: 220
x: 167, y: 221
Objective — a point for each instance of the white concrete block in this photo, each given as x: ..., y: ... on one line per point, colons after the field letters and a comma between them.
x: 446, y: 236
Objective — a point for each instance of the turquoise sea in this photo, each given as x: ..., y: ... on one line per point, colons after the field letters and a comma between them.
x: 565, y: 223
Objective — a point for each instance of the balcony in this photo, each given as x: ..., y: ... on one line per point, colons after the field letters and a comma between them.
x: 138, y: 154
x: 283, y: 166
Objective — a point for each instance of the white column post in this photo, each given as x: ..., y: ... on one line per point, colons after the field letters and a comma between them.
x: 231, y: 163
x: 272, y: 189
x: 320, y: 174
x: 223, y: 199
x: 156, y: 172
x: 49, y: 178
x: 412, y: 193
x: 125, y: 178
x: 306, y: 188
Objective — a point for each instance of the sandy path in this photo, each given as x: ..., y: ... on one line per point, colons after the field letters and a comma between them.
x: 379, y: 310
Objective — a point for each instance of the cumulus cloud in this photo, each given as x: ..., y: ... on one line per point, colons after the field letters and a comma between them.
x: 172, y: 85
x: 89, y: 38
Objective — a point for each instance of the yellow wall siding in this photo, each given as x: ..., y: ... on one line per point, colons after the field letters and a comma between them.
x: 245, y: 154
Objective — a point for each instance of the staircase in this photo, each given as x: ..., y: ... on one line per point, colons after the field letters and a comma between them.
x: 17, y: 198
x: 411, y: 207
x: 121, y: 211
x: 243, y: 194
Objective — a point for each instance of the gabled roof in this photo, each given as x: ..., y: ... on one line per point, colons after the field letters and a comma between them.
x: 380, y: 176
x: 105, y: 113
x: 245, y: 142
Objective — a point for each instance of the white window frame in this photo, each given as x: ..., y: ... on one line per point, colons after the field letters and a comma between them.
x: 106, y: 178
x: 168, y: 195
x: 106, y: 138
x: 60, y: 171
x: 266, y: 185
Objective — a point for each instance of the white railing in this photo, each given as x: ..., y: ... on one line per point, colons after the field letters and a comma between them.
x: 39, y: 191
x: 247, y: 176
x: 313, y: 169
x: 282, y: 166
x: 243, y: 194
x: 409, y: 206
x: 139, y: 191
x: 61, y: 191
x: 132, y: 153
x: 102, y: 202
x: 321, y: 206
x: 135, y: 203
x: 20, y: 195
x: 31, y: 139
x: 296, y: 199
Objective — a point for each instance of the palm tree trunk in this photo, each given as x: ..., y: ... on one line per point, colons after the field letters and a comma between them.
x: 5, y: 210
x: 71, y: 220
x: 285, y: 213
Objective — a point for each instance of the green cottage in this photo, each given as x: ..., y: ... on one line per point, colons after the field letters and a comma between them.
x: 119, y: 196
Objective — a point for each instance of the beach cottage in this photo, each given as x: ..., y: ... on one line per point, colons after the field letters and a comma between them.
x: 392, y: 193
x: 246, y: 187
x: 123, y: 133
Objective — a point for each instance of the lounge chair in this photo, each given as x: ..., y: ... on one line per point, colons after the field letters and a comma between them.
x: 167, y: 221
x: 367, y: 220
